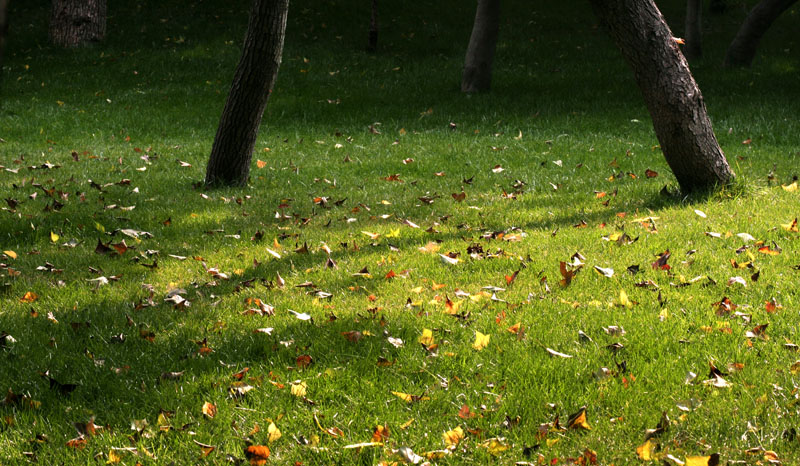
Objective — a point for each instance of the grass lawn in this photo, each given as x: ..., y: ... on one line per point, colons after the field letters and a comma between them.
x: 486, y: 279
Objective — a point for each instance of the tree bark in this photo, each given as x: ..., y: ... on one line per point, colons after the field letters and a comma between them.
x: 670, y: 92
x: 372, y: 43
x: 3, y: 30
x: 229, y: 163
x: 718, y: 7
x: 694, y: 31
x: 74, y: 23
x: 477, y: 75
x: 743, y: 47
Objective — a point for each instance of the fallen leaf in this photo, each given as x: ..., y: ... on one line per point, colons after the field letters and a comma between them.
x: 273, y: 432
x: 645, y: 450
x: 452, y: 437
x: 427, y: 337
x: 711, y: 460
x: 578, y: 420
x: 298, y: 388
x: 481, y: 341
x: 257, y: 454
x: 209, y: 410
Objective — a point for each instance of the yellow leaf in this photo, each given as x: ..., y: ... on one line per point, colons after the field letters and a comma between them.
x: 113, y: 457
x: 404, y: 396
x: 10, y: 254
x: 790, y: 187
x: 54, y: 237
x: 274, y: 432
x: 209, y: 409
x: 481, y: 341
x: 417, y: 290
x: 623, y: 300
x: 712, y: 460
x: 795, y: 368
x: 407, y: 423
x: 452, y: 437
x: 299, y: 389
x: 427, y: 337
x: 495, y: 445
x: 790, y: 226
x: 645, y: 450
x: 551, y: 441
x: 578, y: 420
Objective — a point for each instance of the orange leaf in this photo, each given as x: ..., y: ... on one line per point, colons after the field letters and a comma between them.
x: 261, y: 163
x: 209, y: 409
x: 390, y: 274
x: 29, y: 297
x: 257, y: 454
x: 465, y: 413
x: 78, y: 443
x: 380, y: 434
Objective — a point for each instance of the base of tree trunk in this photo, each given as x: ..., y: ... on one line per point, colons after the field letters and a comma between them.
x: 477, y: 75
x: 670, y: 92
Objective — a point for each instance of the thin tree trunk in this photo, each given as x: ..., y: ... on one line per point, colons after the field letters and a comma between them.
x: 694, y: 31
x: 229, y: 163
x: 3, y: 30
x: 372, y: 44
x: 477, y: 75
x: 675, y: 103
x: 77, y: 22
x: 743, y: 47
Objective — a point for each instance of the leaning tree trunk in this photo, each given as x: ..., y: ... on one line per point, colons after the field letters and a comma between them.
x: 372, y: 43
x: 477, y: 75
x: 743, y: 47
x: 676, y: 106
x: 77, y: 22
x: 3, y: 30
x: 229, y: 163
x: 694, y: 31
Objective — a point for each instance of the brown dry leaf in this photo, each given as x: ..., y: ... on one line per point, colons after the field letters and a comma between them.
x: 303, y: 361
x: 257, y: 454
x: 209, y: 410
x: 207, y: 449
x: 353, y: 335
x: 465, y: 413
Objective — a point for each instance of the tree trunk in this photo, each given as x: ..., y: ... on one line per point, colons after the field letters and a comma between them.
x: 694, y: 31
x: 229, y: 163
x: 675, y: 103
x: 372, y: 44
x: 74, y: 23
x: 3, y: 30
x: 718, y: 7
x: 477, y: 75
x: 743, y: 47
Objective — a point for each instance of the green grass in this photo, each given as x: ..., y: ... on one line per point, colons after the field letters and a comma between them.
x: 563, y: 118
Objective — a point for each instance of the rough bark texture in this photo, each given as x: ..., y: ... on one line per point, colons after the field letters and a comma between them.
x: 372, y: 43
x: 694, y: 31
x: 3, y: 30
x: 743, y: 47
x: 669, y: 90
x: 77, y: 22
x: 229, y: 163
x: 477, y: 75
